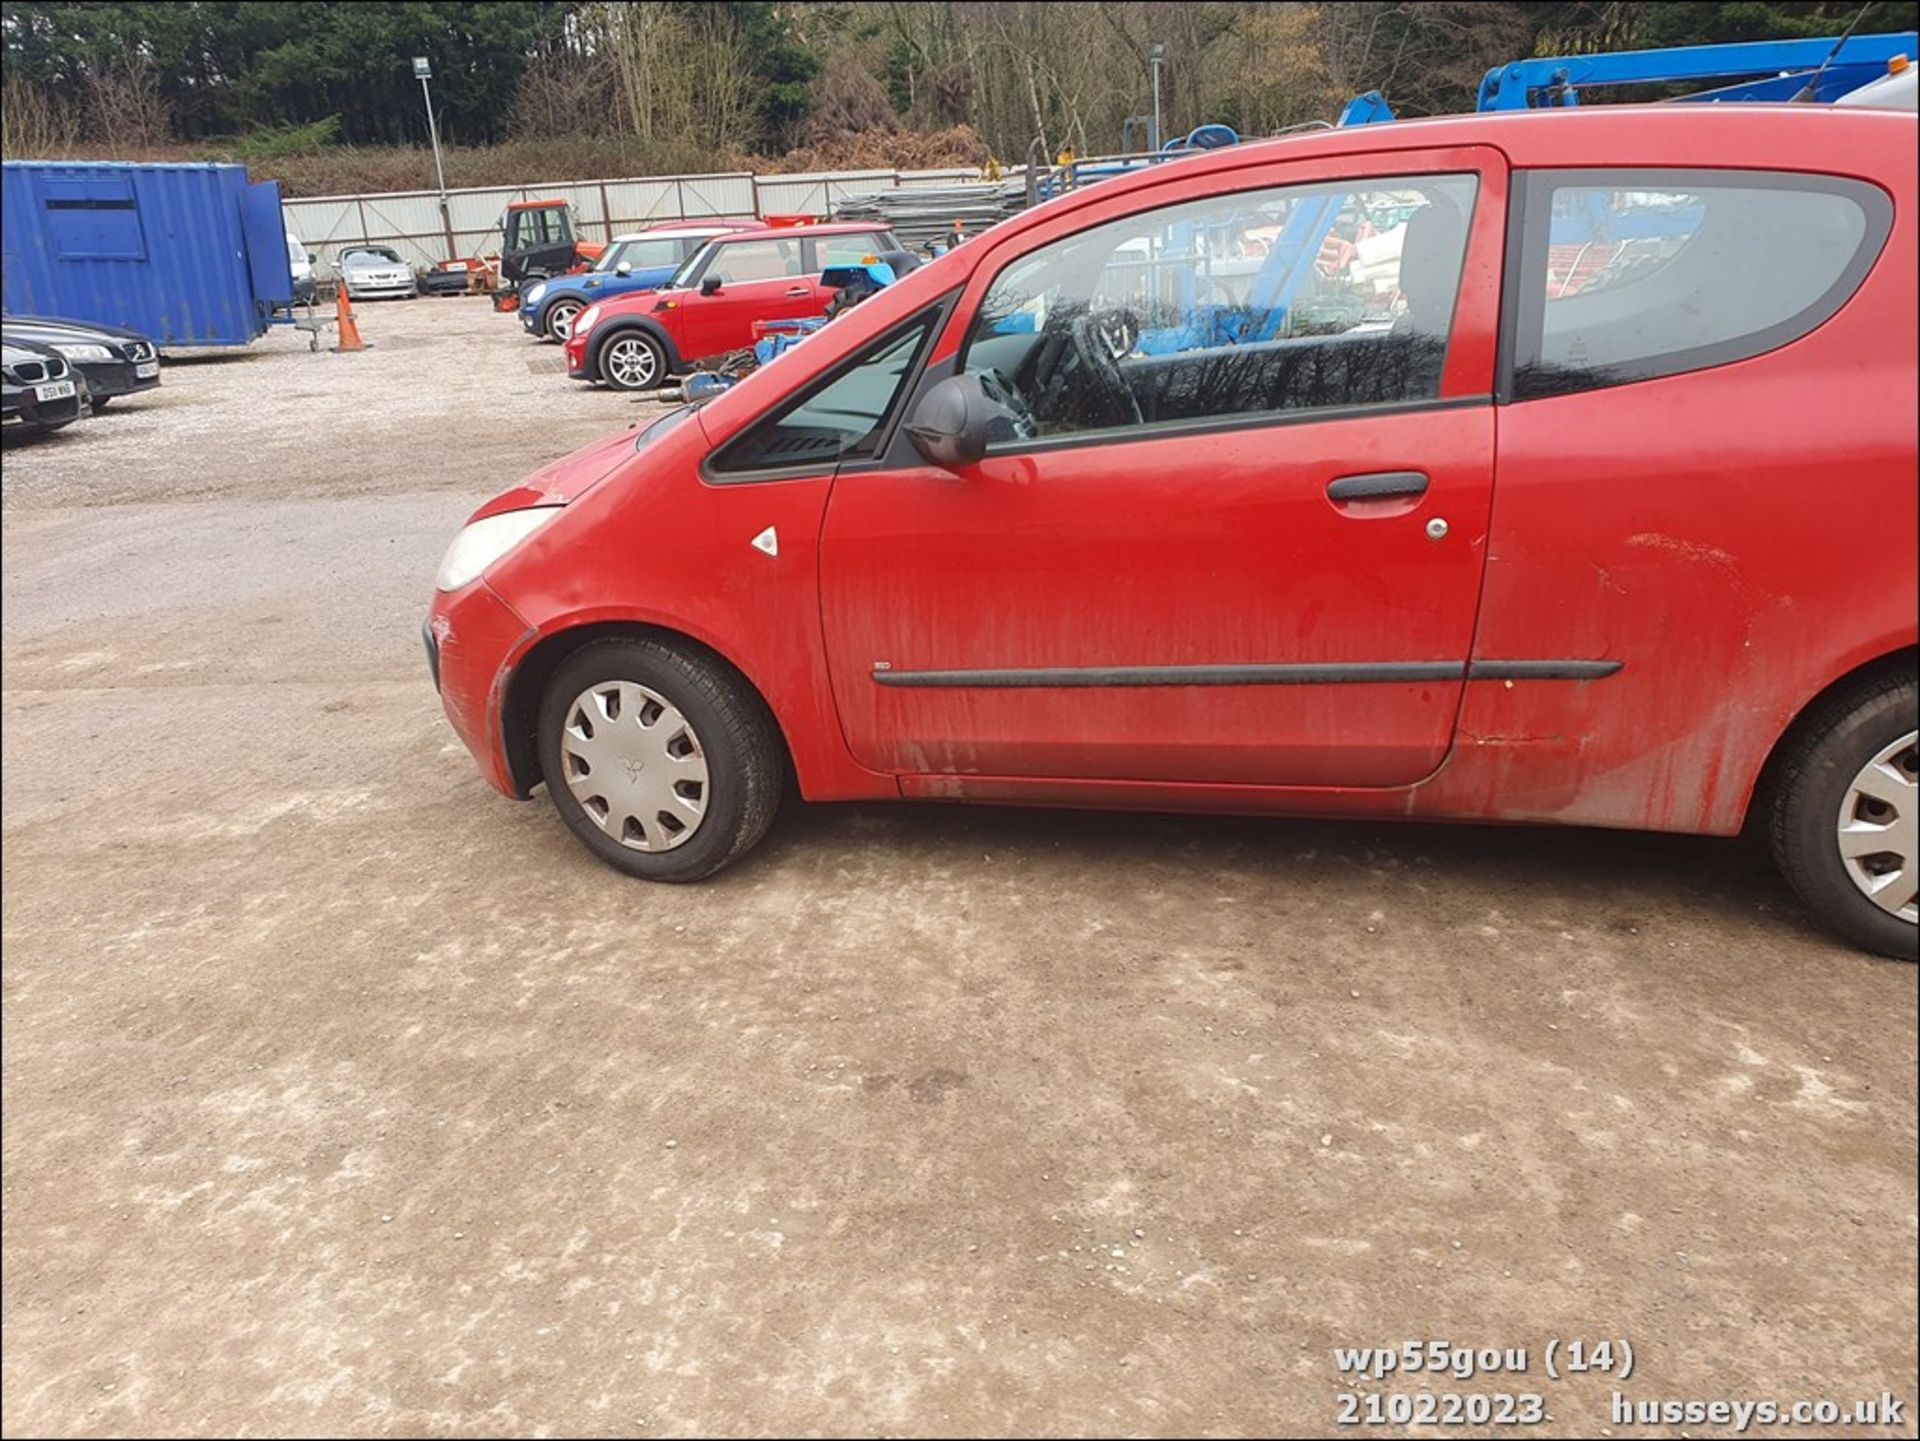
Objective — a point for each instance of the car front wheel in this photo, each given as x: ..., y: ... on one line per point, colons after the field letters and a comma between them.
x: 661, y: 760
x: 559, y: 318
x: 1846, y: 816
x: 631, y: 360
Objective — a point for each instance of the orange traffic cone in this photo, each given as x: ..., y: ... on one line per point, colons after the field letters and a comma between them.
x: 343, y: 318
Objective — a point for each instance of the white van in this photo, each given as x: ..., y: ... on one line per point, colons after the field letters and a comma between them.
x: 301, y: 264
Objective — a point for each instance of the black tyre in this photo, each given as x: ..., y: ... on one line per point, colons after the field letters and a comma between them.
x: 558, y: 321
x: 633, y: 360
x: 99, y: 404
x: 664, y: 763
x: 1845, y: 811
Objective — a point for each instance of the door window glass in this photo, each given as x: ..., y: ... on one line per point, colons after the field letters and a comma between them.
x: 1289, y: 299
x: 1631, y: 275
x: 642, y: 254
x: 539, y: 227
x: 842, y: 419
x: 749, y: 260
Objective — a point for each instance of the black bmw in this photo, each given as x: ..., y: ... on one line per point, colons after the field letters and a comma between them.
x: 39, y: 391
x: 114, y: 361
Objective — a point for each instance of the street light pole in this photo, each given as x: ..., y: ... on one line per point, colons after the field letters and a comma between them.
x: 423, y: 72
x: 1159, y: 58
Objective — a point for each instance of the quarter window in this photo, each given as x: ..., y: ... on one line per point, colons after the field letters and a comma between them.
x: 844, y: 418
x: 1294, y: 299
x: 846, y: 249
x: 1629, y: 275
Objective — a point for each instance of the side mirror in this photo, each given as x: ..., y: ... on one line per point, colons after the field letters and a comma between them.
x: 955, y: 422
x: 625, y: 267
x: 710, y: 285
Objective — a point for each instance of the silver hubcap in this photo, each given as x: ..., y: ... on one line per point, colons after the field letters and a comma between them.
x: 630, y: 363
x: 563, y: 320
x: 1879, y: 829
x: 635, y: 765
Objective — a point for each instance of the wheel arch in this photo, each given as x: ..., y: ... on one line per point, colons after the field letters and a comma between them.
x: 606, y: 331
x: 520, y: 706
x: 553, y: 298
x: 1901, y: 660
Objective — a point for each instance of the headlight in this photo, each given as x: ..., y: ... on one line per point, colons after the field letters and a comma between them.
x: 534, y: 295
x: 85, y: 352
x: 583, y: 322
x: 485, y: 541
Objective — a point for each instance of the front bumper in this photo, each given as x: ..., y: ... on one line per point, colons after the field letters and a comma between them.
x: 474, y: 639
x: 108, y: 378
x: 23, y: 409
x: 389, y: 289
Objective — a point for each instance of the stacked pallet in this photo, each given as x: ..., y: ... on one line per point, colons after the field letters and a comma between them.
x: 922, y: 214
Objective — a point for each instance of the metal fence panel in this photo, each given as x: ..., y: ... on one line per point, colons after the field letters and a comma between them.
x: 321, y: 222
x: 411, y: 223
x: 704, y: 196
x: 635, y: 204
x: 478, y: 209
x: 818, y: 193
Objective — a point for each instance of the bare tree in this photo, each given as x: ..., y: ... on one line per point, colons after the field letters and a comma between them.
x: 34, y: 123
x: 125, y: 111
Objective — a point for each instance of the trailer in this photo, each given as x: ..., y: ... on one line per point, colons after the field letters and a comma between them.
x: 188, y: 255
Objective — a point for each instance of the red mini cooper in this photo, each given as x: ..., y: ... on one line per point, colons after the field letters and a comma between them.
x: 1543, y: 467
x: 709, y: 305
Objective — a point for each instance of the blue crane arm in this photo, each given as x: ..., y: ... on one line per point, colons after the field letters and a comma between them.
x: 1288, y: 264
x: 1785, y: 66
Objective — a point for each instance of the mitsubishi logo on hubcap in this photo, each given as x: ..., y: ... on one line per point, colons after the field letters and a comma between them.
x: 633, y: 771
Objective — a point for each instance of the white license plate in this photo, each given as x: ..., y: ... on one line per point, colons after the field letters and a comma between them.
x: 147, y: 369
x: 53, y: 390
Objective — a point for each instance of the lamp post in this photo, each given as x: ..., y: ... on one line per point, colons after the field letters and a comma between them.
x: 423, y: 72
x: 1158, y: 58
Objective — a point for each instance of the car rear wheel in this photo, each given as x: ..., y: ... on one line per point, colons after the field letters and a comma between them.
x: 1846, y: 816
x: 662, y: 762
x: 631, y: 360
x: 559, y: 319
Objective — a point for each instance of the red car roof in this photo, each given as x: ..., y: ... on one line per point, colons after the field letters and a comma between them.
x: 842, y: 227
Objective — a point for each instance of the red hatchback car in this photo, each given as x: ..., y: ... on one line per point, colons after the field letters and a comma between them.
x: 1575, y: 483
x: 709, y: 306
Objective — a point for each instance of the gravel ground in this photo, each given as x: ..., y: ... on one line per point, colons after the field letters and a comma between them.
x: 343, y: 1096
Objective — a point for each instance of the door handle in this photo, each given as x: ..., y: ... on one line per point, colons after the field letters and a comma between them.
x: 1378, y: 485
x: 801, y: 290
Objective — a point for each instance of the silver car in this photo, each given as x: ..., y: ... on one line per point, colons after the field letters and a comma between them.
x: 372, y: 271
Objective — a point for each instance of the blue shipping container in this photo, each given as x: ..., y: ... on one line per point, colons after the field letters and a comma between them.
x: 184, y: 254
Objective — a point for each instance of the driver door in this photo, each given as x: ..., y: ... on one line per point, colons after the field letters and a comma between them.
x: 1238, y: 537
x: 758, y: 280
